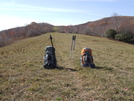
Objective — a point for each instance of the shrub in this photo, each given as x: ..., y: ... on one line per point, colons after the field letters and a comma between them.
x: 110, y: 33
x: 125, y: 37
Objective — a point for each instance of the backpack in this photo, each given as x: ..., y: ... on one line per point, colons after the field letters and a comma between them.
x: 49, y: 58
x: 87, y: 59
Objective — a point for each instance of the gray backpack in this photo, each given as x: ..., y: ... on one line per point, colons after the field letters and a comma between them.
x: 49, y: 58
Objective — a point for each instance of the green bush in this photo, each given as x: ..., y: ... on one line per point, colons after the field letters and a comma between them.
x: 125, y: 36
x: 110, y: 33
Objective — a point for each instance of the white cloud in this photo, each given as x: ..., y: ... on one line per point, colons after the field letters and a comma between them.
x: 11, y: 22
x: 9, y: 18
x: 18, y: 7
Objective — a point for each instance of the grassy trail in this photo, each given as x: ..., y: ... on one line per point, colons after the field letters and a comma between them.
x: 22, y: 76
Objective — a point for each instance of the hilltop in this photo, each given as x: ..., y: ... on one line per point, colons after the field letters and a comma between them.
x: 22, y: 76
x: 95, y: 28
x: 32, y: 29
x: 99, y: 27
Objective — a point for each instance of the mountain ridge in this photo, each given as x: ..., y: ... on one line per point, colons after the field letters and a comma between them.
x: 94, y: 28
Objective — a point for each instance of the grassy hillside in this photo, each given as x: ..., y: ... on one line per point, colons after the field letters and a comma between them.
x: 23, y: 78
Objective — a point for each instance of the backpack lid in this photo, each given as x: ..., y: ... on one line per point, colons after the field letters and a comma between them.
x: 86, y: 50
x: 50, y: 49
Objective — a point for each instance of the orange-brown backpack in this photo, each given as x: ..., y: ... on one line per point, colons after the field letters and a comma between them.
x: 87, y: 59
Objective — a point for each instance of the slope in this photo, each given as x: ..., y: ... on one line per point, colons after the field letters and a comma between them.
x: 22, y: 76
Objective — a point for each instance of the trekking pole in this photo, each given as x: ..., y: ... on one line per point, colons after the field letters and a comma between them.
x: 74, y: 38
x: 71, y: 50
x: 72, y: 45
x: 51, y: 39
x: 73, y: 42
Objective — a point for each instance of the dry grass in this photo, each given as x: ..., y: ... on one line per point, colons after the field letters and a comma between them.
x: 23, y: 78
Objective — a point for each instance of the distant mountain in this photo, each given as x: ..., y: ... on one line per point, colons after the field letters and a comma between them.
x: 33, y: 29
x: 95, y: 28
x: 99, y: 27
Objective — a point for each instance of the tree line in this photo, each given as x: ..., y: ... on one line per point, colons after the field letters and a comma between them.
x: 123, y: 26
x: 33, y: 29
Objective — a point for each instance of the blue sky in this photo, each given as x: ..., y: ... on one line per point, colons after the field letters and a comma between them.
x: 15, y: 13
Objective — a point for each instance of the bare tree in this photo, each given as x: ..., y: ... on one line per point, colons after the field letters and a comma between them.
x: 126, y: 26
x: 116, y: 21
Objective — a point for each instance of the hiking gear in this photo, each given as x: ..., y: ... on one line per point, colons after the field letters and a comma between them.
x: 72, y: 46
x: 87, y: 58
x: 49, y: 58
x: 73, y: 42
x: 51, y: 40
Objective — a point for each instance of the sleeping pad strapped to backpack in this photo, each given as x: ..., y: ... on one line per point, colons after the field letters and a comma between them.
x: 49, y: 58
x: 87, y: 59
